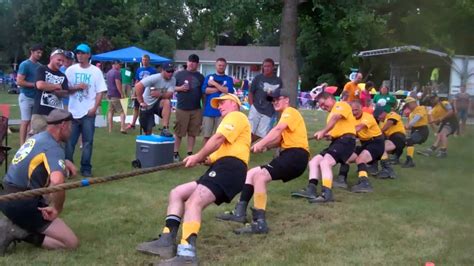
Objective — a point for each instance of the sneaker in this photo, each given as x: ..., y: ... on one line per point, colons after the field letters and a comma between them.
x: 394, y: 161
x: 373, y: 168
x: 340, y: 182
x: 363, y: 186
x: 309, y: 192
x: 428, y: 152
x: 258, y: 226
x: 86, y: 173
x: 386, y: 172
x: 164, y: 246
x: 186, y: 255
x: 165, y: 132
x: 239, y: 214
x: 9, y: 232
x: 441, y: 154
x: 176, y: 158
x: 130, y: 126
x: 409, y: 163
x: 326, y: 196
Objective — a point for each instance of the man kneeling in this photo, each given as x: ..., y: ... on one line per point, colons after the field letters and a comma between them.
x: 40, y: 162
x: 228, y: 150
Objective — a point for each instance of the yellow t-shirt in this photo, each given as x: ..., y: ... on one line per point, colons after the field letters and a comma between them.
x: 440, y: 110
x: 371, y: 130
x: 353, y: 91
x: 421, y: 111
x: 295, y: 135
x: 396, y: 127
x: 235, y: 127
x: 345, y: 125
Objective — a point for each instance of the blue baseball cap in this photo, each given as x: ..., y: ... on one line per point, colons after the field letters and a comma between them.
x: 83, y: 48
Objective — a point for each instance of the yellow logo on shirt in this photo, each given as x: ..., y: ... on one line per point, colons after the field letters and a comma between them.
x: 229, y: 127
x: 24, y: 150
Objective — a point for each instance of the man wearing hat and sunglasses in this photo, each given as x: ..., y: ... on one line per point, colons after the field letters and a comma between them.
x: 40, y: 162
x: 154, y: 95
x: 227, y: 152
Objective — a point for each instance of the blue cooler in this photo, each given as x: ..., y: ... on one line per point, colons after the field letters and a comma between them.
x: 153, y: 150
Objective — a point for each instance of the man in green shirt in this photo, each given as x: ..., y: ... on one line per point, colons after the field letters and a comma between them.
x: 385, y: 99
x: 126, y: 80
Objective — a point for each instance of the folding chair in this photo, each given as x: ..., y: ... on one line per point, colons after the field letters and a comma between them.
x: 4, y: 115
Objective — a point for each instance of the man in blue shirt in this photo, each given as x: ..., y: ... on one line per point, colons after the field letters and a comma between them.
x: 214, y: 85
x: 142, y: 72
x: 26, y: 81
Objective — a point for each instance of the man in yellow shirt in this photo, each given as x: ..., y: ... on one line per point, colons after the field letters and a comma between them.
x: 395, y: 139
x: 443, y: 114
x: 291, y: 136
x: 340, y: 128
x: 371, y: 149
x: 418, y: 126
x: 351, y: 91
x: 227, y: 152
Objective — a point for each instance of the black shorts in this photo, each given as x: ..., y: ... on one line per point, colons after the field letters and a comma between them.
x: 290, y: 164
x: 225, y: 178
x: 418, y: 135
x: 452, y: 126
x: 341, y: 149
x: 136, y: 104
x: 375, y: 147
x: 25, y: 213
x: 399, y: 140
x: 147, y: 116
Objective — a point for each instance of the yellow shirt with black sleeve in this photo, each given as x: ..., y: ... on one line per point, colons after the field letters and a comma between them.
x: 423, y: 113
x: 295, y: 135
x: 440, y: 110
x: 345, y: 125
x: 372, y: 128
x: 397, y: 126
x: 235, y: 127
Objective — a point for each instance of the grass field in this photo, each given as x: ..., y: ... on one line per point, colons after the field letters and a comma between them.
x: 426, y: 214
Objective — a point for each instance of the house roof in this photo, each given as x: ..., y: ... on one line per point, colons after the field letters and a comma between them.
x: 233, y: 54
x: 399, y: 49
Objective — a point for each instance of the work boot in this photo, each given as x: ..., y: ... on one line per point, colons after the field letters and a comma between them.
x: 326, y: 196
x: 185, y: 255
x: 363, y: 186
x: 387, y: 171
x: 340, y: 182
x: 9, y: 232
x: 373, y: 168
x: 428, y: 152
x: 239, y: 214
x: 164, y: 246
x: 409, y: 163
x: 309, y: 192
x: 258, y: 226
x: 441, y: 154
x: 165, y: 132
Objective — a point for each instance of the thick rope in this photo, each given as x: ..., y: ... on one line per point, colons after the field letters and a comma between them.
x: 85, y: 182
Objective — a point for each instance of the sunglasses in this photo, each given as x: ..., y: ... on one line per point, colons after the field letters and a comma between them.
x: 169, y: 71
x: 57, y: 51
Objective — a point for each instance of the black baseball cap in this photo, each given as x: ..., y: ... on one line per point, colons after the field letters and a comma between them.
x: 193, y: 58
x: 277, y: 94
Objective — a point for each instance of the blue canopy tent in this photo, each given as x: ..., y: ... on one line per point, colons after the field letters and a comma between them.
x: 131, y: 54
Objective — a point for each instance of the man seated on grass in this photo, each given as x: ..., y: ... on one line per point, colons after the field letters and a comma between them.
x: 395, y: 140
x: 443, y: 114
x: 371, y: 149
x: 340, y: 128
x: 40, y: 162
x: 227, y: 152
x: 418, y: 126
x: 290, y: 135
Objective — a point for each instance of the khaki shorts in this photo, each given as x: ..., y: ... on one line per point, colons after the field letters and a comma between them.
x: 38, y: 124
x: 209, y: 125
x: 188, y: 122
x: 115, y: 105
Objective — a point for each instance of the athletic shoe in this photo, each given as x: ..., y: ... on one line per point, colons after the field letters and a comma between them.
x: 258, y: 226
x: 176, y: 158
x: 186, y: 255
x: 9, y: 232
x: 428, y: 152
x: 363, y: 186
x: 409, y: 163
x: 239, y: 214
x: 86, y: 174
x: 441, y: 154
x: 387, y: 171
x: 340, y: 182
x: 373, y: 168
x: 130, y: 126
x: 164, y: 246
x: 165, y: 132
x: 326, y: 196
x: 309, y: 192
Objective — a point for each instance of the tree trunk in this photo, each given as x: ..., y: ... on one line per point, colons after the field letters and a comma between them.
x: 288, y: 34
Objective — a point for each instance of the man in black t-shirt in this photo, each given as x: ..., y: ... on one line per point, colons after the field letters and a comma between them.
x: 52, y: 85
x: 188, y: 110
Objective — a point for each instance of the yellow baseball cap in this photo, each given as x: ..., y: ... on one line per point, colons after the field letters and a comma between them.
x: 225, y: 96
x: 410, y: 99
